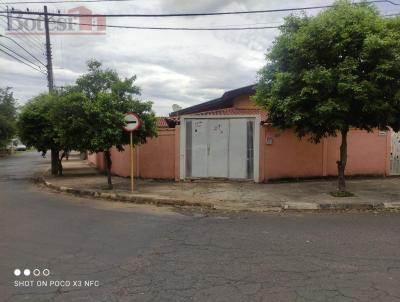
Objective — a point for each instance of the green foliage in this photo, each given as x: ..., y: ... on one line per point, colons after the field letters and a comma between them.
x: 7, y: 115
x: 36, y: 125
x: 88, y: 116
x: 99, y: 80
x: 95, y: 110
x: 337, y: 70
x: 69, y: 120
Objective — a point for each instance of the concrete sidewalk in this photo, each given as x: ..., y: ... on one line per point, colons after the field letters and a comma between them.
x: 377, y: 193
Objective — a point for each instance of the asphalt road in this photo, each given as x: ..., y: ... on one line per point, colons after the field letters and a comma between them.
x: 112, y: 251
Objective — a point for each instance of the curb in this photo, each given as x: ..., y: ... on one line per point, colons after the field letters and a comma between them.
x: 126, y: 197
x: 168, y: 201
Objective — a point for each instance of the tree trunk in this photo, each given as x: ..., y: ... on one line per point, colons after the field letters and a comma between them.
x: 54, y: 162
x: 59, y: 161
x: 341, y: 164
x: 108, y: 162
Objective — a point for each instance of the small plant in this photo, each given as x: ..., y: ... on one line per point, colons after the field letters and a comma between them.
x: 341, y: 194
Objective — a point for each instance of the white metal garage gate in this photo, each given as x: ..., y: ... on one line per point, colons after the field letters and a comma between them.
x: 216, y: 147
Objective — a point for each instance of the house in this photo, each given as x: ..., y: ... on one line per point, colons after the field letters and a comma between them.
x: 229, y: 138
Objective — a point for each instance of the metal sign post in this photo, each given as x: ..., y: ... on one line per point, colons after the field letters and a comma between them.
x: 132, y: 124
x: 132, y: 163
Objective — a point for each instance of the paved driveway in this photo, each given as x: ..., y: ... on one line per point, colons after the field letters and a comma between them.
x: 142, y: 253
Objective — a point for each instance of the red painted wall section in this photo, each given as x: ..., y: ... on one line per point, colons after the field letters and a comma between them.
x: 121, y: 161
x: 157, y: 157
x: 177, y: 153
x: 289, y: 157
x: 261, y: 164
x: 367, y: 153
x: 286, y: 157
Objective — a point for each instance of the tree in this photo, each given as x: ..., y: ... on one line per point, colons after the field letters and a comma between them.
x: 88, y: 116
x: 332, y: 72
x: 7, y: 115
x: 94, y: 113
x: 36, y: 128
x: 98, y: 80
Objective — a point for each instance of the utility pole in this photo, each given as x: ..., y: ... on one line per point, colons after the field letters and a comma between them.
x: 8, y: 19
x: 50, y: 80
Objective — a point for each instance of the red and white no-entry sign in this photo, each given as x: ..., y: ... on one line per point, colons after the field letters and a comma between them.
x: 132, y: 122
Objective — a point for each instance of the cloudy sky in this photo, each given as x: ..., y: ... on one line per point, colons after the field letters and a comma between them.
x: 172, y: 67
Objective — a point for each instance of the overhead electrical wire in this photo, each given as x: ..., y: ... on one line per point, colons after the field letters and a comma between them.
x: 153, y: 27
x: 21, y: 56
x: 34, y: 41
x: 196, y: 14
x: 64, y: 1
x: 38, y: 68
x: 179, y: 15
x: 29, y: 41
x: 32, y: 44
x: 24, y: 49
x: 25, y: 38
x: 21, y: 61
x: 222, y: 28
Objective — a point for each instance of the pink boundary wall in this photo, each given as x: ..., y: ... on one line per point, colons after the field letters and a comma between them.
x: 289, y: 157
x: 158, y: 158
x: 286, y: 157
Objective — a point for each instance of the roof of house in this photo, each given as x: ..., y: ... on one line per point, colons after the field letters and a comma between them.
x: 223, y: 102
x: 234, y: 111
x: 161, y: 122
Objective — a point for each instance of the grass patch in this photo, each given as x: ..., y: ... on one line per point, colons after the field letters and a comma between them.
x: 341, y: 194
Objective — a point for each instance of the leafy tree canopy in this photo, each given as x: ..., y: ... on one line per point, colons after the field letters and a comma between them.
x: 98, y: 80
x: 94, y: 111
x: 7, y: 115
x: 97, y: 111
x: 337, y: 70
x: 35, y: 124
x: 88, y: 116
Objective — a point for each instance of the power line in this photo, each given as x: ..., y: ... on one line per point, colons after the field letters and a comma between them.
x: 28, y: 52
x: 198, y: 14
x: 31, y: 43
x: 65, y: 1
x: 15, y: 58
x: 177, y: 28
x: 21, y: 56
x: 393, y: 3
x: 31, y: 38
x: 155, y: 28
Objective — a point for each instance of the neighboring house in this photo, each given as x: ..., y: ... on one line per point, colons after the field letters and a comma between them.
x: 228, y: 138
